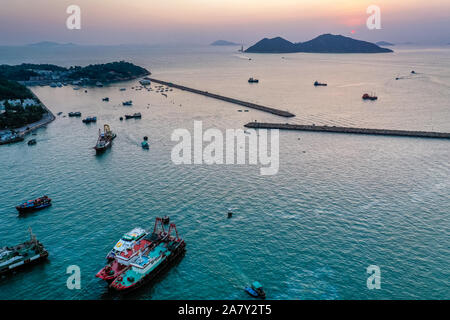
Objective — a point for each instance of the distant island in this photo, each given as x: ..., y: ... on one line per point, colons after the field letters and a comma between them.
x: 326, y: 43
x: 384, y: 43
x: 224, y: 43
x: 46, y: 44
x: 42, y: 74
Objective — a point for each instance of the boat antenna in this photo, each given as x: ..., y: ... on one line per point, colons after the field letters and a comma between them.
x: 32, y: 236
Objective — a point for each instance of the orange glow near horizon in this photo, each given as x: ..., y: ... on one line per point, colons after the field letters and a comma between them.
x: 232, y: 17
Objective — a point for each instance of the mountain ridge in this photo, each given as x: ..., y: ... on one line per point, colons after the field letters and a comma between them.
x: 325, y: 43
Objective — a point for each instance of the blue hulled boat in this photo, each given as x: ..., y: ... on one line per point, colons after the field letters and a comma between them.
x: 34, y: 205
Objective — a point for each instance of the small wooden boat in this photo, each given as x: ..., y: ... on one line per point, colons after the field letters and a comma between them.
x: 34, y: 205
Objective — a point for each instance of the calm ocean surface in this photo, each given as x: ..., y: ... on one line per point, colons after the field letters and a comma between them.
x: 338, y: 204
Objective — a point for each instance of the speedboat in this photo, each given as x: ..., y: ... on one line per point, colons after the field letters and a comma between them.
x: 256, y: 290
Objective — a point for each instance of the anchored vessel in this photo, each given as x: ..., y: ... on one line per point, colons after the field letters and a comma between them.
x: 105, y: 139
x: 367, y: 96
x: 125, y: 250
x: 133, y: 116
x: 34, y: 205
x: 27, y: 253
x: 150, y: 260
x: 89, y: 119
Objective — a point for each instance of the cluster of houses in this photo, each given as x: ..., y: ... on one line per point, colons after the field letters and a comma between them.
x: 24, y: 103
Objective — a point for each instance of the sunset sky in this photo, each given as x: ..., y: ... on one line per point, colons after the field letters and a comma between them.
x: 203, y: 21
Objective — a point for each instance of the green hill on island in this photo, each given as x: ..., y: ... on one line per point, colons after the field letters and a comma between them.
x: 107, y: 72
x: 12, y: 113
x: 326, y: 43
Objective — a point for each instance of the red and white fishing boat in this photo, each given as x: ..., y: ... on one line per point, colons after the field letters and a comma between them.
x: 127, y: 250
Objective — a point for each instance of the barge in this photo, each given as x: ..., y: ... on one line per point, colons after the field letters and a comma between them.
x: 25, y: 254
x: 151, y: 261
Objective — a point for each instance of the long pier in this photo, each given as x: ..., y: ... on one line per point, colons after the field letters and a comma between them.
x: 277, y: 112
x: 334, y: 129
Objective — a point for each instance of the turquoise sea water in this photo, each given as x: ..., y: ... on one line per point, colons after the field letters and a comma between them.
x: 338, y: 204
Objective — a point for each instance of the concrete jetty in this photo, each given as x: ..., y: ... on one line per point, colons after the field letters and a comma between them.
x: 334, y: 129
x: 277, y: 112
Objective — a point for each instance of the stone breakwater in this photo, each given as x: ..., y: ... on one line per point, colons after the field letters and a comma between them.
x: 277, y: 112
x: 384, y: 132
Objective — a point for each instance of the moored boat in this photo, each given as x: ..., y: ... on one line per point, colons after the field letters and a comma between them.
x: 133, y: 116
x: 105, y: 139
x: 367, y: 96
x: 75, y: 114
x: 151, y: 262
x: 34, y: 205
x: 127, y: 249
x: 24, y: 254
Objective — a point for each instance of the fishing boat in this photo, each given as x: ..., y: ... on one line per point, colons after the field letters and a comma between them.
x: 25, y: 254
x: 133, y: 116
x: 151, y: 262
x: 127, y: 103
x: 105, y: 139
x: 253, y: 80
x: 89, y: 119
x: 34, y: 205
x: 319, y: 84
x: 367, y: 96
x: 127, y: 249
x: 256, y: 290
